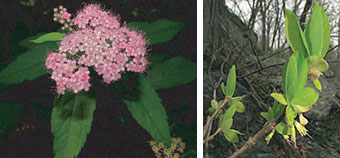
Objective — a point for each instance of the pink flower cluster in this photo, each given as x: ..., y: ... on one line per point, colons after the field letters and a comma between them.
x: 99, y: 42
x: 62, y: 16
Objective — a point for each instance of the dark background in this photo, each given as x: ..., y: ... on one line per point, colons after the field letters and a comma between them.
x: 114, y: 132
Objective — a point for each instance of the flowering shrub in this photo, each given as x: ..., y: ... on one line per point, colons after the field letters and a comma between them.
x: 97, y: 41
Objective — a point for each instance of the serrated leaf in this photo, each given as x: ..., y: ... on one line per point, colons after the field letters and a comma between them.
x: 43, y: 111
x: 290, y: 115
x: 295, y: 36
x: 10, y: 112
x: 230, y: 135
x: 305, y: 97
x: 148, y: 111
x: 157, y: 59
x: 283, y: 129
x: 279, y: 97
x: 174, y: 72
x: 317, y: 84
x: 160, y: 31
x: 231, y: 82
x: 49, y: 37
x: 27, y: 66
x: 71, y: 122
x: 239, y: 106
x: 314, y: 31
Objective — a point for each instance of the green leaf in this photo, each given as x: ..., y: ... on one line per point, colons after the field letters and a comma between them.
x: 290, y: 115
x: 43, y: 111
x: 302, y: 71
x: 317, y: 84
x: 318, y: 63
x: 157, y: 59
x: 27, y: 66
x: 265, y: 115
x: 71, y: 121
x: 283, y: 129
x: 306, y: 97
x: 150, y: 113
x: 224, y: 88
x: 10, y: 112
x: 174, y: 72
x: 26, y: 42
x: 159, y: 31
x: 231, y: 82
x: 279, y: 97
x: 231, y: 135
x: 49, y: 37
x: 226, y: 124
x: 239, y: 106
x: 295, y: 36
x: 277, y: 110
x: 290, y: 79
x: 228, y: 114
x: 326, y: 32
x: 214, y: 104
x: 314, y: 32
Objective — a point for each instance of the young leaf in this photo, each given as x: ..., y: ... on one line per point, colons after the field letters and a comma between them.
x: 318, y: 63
x: 231, y: 82
x: 305, y: 97
x: 71, y: 121
x: 224, y: 88
x: 326, y: 32
x: 27, y: 66
x: 173, y: 72
x: 314, y: 32
x: 290, y: 115
x: 283, y: 129
x: 317, y: 84
x: 226, y: 124
x: 279, y: 97
x: 10, y: 112
x: 277, y: 110
x: 159, y: 31
x: 290, y: 79
x: 231, y: 135
x: 150, y: 113
x: 295, y: 36
x: 49, y: 37
x: 228, y: 114
x: 265, y: 115
x: 239, y: 106
x: 214, y: 104
x: 302, y: 71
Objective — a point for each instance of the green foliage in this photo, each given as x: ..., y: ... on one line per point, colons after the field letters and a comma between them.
x: 173, y: 72
x: 149, y: 112
x: 317, y: 84
x: 273, y: 113
x: 318, y: 63
x: 318, y: 32
x: 43, y: 111
x: 157, y: 59
x: 306, y: 97
x: 159, y: 31
x: 290, y: 115
x: 10, y: 112
x: 280, y: 98
x: 231, y: 135
x: 283, y: 129
x: 295, y: 36
x: 27, y: 66
x: 71, y: 121
x: 239, y: 106
x: 290, y: 79
x: 231, y: 82
x: 49, y: 37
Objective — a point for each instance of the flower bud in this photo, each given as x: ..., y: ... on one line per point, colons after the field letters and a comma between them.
x: 303, y: 120
x: 314, y: 74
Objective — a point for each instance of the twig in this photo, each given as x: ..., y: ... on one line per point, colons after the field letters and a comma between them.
x: 252, y: 140
x: 258, y: 70
x: 210, y: 118
x: 212, y: 136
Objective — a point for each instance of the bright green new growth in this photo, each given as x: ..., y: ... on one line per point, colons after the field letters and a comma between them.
x: 309, y: 49
x: 236, y: 105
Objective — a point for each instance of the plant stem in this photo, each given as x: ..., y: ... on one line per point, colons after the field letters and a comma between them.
x: 212, y: 136
x: 268, y: 126
x: 211, y: 118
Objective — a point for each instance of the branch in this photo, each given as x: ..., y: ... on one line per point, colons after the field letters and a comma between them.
x: 212, y: 136
x: 252, y: 140
x: 209, y: 119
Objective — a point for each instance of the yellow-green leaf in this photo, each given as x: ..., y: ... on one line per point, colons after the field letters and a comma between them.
x: 280, y: 98
x: 231, y: 82
x: 239, y: 106
x: 314, y: 32
x: 305, y: 97
x: 317, y: 85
